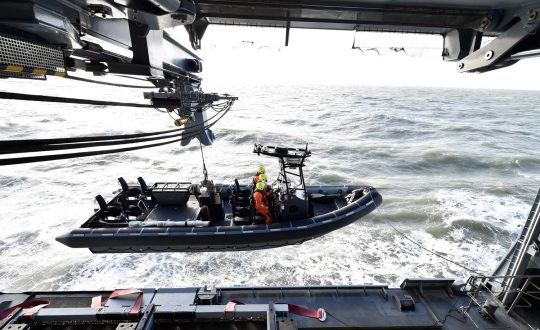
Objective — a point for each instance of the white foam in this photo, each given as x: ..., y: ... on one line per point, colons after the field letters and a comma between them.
x: 505, y: 212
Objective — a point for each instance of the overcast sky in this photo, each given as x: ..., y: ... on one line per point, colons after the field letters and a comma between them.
x: 248, y: 54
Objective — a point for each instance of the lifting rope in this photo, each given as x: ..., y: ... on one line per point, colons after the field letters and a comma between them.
x: 421, y: 246
x: 205, y: 172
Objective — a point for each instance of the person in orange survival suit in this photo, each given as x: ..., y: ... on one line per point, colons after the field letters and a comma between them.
x: 268, y: 189
x: 261, y: 204
x: 260, y: 170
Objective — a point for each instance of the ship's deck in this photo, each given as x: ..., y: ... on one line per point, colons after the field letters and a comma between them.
x: 361, y: 307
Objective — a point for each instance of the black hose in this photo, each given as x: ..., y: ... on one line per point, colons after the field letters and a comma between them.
x: 107, y: 83
x: 43, y: 98
x: 6, y: 144
x: 34, y: 159
x: 51, y: 147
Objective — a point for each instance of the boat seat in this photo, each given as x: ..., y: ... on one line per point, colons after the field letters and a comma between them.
x: 242, y: 202
x: 132, y: 210
x: 241, y: 213
x: 259, y: 219
x: 146, y: 191
x: 242, y: 193
x: 241, y: 197
x: 130, y: 192
x: 107, y: 210
x: 241, y: 217
x: 245, y: 193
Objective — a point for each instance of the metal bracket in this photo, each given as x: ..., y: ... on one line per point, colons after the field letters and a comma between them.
x: 287, y: 324
x: 488, y: 55
x: 196, y: 32
x: 8, y: 318
x: 16, y: 326
x: 271, y: 318
x: 106, y: 9
x: 127, y: 326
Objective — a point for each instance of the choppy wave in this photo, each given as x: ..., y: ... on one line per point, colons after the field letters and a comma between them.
x: 457, y: 177
x: 506, y: 212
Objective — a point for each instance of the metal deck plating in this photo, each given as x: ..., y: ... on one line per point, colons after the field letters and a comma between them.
x: 435, y: 306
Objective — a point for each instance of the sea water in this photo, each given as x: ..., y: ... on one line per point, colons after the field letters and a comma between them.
x: 458, y: 170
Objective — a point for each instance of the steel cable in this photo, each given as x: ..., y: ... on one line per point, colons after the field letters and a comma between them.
x: 421, y: 246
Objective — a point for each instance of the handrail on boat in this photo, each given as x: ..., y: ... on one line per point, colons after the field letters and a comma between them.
x: 165, y: 185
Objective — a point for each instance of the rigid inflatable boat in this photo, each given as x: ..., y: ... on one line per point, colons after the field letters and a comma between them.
x: 187, y: 217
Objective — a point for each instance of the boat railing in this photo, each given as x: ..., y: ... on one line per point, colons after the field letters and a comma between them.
x: 171, y: 185
x: 480, y: 284
x: 144, y: 207
x: 171, y: 193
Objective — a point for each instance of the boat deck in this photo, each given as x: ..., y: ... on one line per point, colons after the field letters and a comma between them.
x: 190, y: 210
x: 187, y: 212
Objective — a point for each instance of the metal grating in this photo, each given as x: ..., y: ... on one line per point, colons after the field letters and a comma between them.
x: 27, y: 54
x: 22, y: 75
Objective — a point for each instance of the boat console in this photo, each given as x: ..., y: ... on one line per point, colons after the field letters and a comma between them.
x: 291, y: 202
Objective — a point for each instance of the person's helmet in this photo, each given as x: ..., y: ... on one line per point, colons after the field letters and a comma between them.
x: 262, y: 177
x: 260, y: 169
x: 260, y: 185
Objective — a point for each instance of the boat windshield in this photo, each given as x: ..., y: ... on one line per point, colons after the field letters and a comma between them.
x: 294, y: 182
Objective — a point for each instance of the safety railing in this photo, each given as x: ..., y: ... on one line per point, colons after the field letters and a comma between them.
x: 479, y: 284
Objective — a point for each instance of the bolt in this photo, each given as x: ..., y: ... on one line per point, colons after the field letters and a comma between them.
x: 532, y: 15
x: 461, y: 66
x: 489, y: 55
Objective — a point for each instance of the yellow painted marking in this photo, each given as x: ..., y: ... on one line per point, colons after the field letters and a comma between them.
x: 39, y: 71
x: 14, y: 68
x: 60, y: 74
